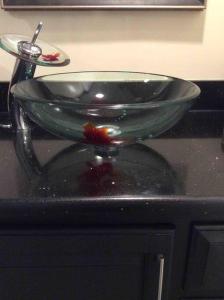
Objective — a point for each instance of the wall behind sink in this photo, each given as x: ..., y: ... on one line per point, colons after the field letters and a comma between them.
x: 188, y: 44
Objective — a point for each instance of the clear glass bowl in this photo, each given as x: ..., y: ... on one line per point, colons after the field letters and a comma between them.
x: 106, y: 108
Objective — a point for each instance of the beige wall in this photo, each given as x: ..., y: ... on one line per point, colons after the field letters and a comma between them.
x: 187, y: 44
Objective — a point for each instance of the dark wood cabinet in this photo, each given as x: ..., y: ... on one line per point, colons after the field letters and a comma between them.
x: 99, y: 264
x: 115, y: 261
x: 205, y: 272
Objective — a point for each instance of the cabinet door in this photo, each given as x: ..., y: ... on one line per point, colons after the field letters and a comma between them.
x: 84, y: 264
x: 205, y: 273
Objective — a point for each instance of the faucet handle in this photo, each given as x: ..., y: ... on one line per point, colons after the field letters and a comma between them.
x: 36, y: 33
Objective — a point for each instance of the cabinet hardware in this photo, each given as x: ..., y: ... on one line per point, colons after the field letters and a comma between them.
x: 161, y: 260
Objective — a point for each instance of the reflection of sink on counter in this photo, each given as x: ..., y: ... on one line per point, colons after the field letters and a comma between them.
x: 76, y: 171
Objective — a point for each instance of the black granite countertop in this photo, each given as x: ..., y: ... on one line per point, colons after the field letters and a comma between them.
x: 192, y: 150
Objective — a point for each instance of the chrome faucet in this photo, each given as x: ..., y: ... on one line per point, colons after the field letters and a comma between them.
x: 28, y: 56
x: 23, y: 70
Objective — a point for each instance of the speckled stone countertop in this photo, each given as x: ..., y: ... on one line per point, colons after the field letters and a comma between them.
x: 192, y: 150
x: 189, y: 157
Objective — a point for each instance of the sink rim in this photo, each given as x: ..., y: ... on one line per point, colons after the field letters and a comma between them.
x: 18, y: 91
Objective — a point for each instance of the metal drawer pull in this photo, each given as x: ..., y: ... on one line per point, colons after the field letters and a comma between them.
x: 161, y: 259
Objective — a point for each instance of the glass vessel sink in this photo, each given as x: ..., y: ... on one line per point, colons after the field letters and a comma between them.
x: 106, y: 108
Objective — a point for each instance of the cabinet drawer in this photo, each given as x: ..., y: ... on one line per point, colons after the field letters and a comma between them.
x: 83, y: 264
x: 205, y: 271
